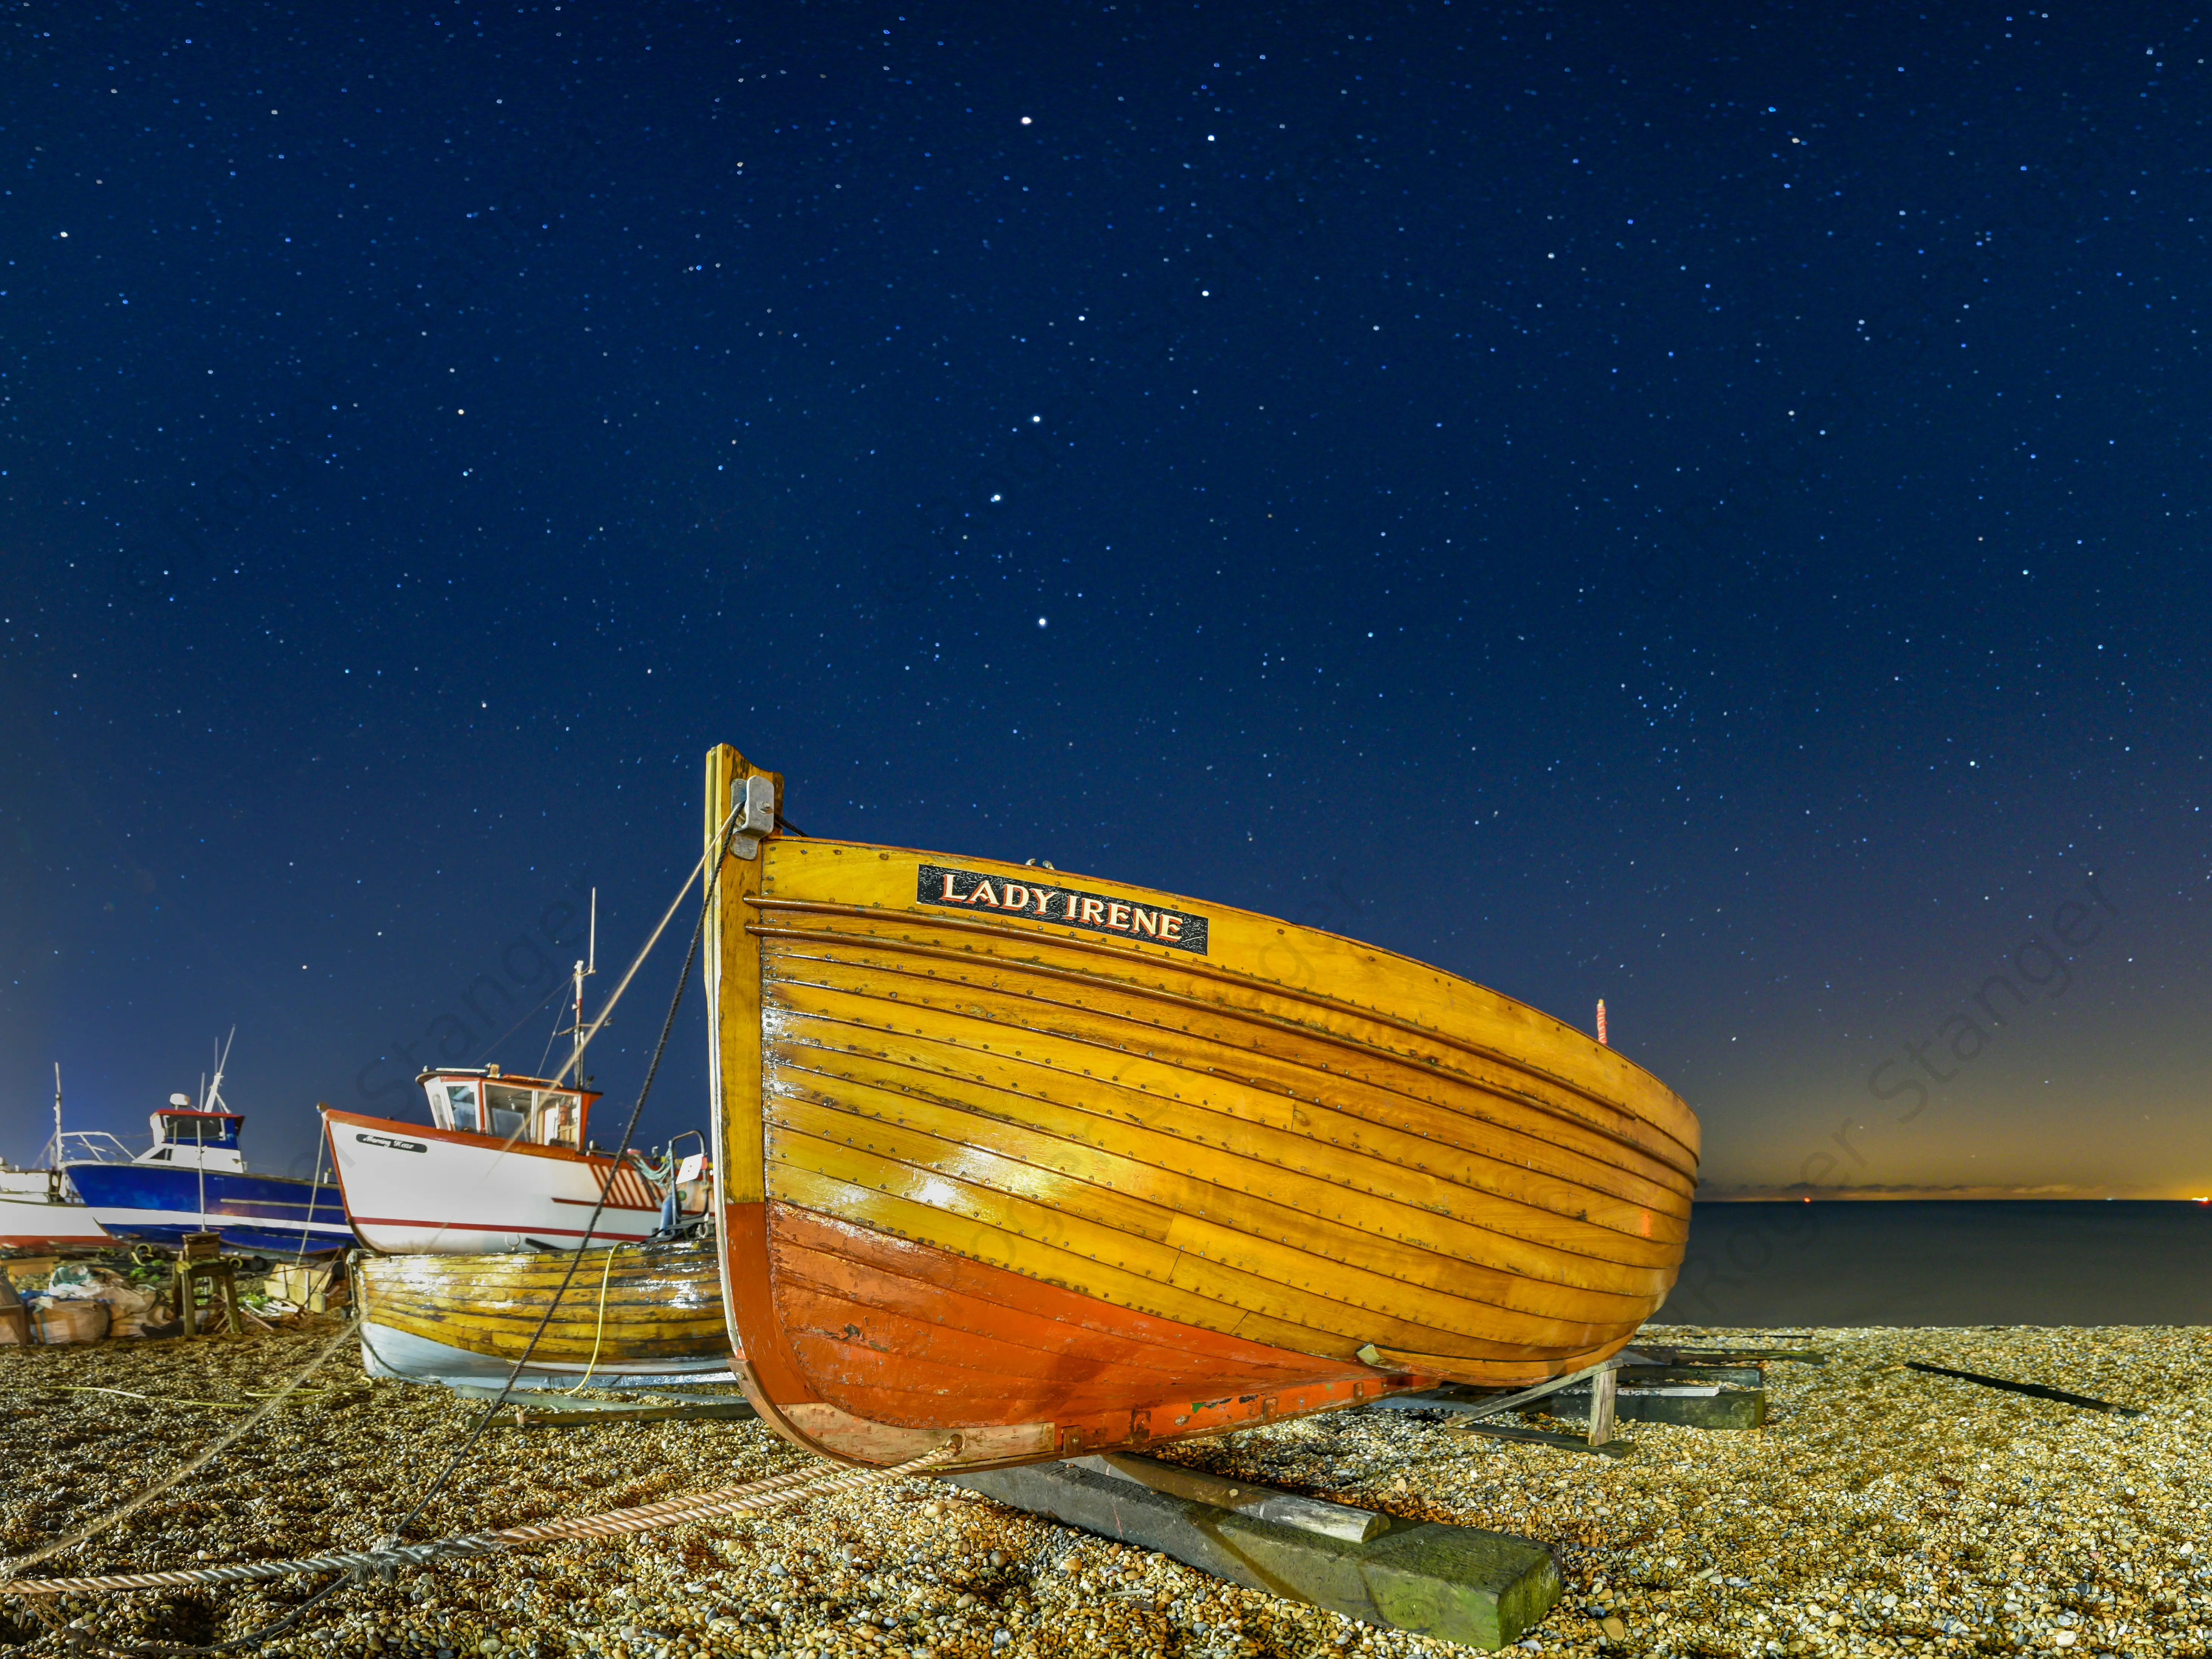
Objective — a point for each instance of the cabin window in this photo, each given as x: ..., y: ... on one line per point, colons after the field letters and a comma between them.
x: 461, y: 1107
x: 560, y: 1119
x: 508, y: 1109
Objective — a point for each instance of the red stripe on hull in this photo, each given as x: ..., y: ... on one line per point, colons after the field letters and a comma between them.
x: 908, y: 1334
x: 873, y: 1350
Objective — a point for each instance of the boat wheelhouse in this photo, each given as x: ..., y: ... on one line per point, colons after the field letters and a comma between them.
x: 195, y: 1139
x: 483, y: 1102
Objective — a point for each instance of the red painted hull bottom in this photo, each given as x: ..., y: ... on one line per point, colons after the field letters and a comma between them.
x: 53, y: 1242
x: 871, y: 1348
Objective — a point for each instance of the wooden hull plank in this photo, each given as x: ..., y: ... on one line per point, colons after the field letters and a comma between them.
x: 1192, y: 1253
x: 1280, y: 1113
x: 1540, y: 1060
x: 1263, y: 1197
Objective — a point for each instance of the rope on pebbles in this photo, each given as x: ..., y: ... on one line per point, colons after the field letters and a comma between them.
x: 380, y: 1561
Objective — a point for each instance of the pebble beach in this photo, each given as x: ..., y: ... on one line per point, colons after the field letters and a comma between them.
x: 1880, y: 1511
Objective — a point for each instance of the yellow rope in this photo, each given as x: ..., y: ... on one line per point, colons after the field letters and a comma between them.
x: 602, y: 1329
x: 158, y: 1398
x: 179, y: 1400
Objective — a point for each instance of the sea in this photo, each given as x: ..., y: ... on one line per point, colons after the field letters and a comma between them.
x: 1987, y: 1261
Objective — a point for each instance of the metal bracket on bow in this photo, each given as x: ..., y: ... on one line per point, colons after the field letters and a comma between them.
x: 755, y: 816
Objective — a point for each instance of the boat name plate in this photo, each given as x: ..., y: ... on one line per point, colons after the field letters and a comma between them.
x: 396, y: 1145
x: 970, y: 890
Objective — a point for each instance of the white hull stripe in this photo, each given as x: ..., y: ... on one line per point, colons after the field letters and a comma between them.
x: 218, y: 1218
x: 493, y: 1227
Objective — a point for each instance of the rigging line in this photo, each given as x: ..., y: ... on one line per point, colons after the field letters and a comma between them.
x: 314, y: 1192
x: 773, y: 1492
x: 709, y: 864
x: 721, y: 841
x: 546, y: 1053
x: 556, y: 985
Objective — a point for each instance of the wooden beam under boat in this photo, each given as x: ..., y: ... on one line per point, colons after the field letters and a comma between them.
x: 1046, y: 1164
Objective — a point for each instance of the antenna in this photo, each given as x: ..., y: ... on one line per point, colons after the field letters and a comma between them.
x: 587, y: 965
x: 211, y: 1099
x: 584, y: 969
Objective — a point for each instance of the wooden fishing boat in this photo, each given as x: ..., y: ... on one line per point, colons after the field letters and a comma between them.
x: 1028, y: 1165
x: 633, y: 1314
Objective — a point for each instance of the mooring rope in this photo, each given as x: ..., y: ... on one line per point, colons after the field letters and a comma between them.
x: 130, y: 1506
x: 392, y: 1552
x: 789, y: 1486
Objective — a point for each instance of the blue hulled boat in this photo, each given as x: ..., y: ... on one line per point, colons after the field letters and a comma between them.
x: 193, y: 1179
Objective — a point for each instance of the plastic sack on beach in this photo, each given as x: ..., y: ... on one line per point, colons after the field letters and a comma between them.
x: 81, y: 1281
x: 133, y: 1310
x: 129, y: 1308
x: 74, y: 1319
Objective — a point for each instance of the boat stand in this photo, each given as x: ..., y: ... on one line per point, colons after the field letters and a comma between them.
x: 549, y: 1408
x: 1688, y: 1387
x: 204, y: 1288
x: 1481, y: 1590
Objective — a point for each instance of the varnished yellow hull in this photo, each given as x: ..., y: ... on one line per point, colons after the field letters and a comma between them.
x: 1292, y: 1142
x: 630, y: 1309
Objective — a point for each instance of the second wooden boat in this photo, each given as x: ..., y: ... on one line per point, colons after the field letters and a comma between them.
x: 633, y: 1314
x: 1016, y: 1165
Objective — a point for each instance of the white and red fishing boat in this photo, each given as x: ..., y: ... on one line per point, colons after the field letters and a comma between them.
x: 40, y: 1208
x: 503, y: 1165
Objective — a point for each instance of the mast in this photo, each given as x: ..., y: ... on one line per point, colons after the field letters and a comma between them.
x: 211, y: 1098
x: 54, y: 1158
x: 585, y: 968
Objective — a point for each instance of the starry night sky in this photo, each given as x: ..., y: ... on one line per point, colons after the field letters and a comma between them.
x: 1698, y: 508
